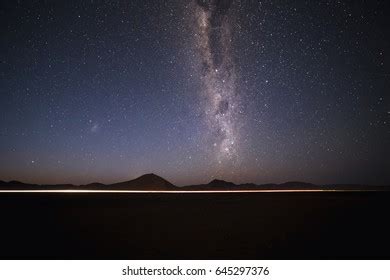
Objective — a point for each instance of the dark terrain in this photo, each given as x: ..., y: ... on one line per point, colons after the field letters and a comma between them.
x: 191, y: 226
x: 154, y: 182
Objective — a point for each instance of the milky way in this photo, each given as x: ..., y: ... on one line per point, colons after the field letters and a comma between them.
x: 214, y: 42
x: 244, y: 91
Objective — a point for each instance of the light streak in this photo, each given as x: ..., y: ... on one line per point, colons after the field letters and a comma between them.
x: 74, y: 191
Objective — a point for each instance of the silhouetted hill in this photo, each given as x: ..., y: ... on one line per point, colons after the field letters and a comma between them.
x: 355, y: 187
x: 144, y: 182
x: 154, y: 182
x: 94, y: 186
x: 16, y: 185
x: 220, y: 183
x: 213, y: 185
x: 223, y: 185
x: 59, y: 186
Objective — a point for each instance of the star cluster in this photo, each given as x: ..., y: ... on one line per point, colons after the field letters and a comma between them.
x: 248, y: 91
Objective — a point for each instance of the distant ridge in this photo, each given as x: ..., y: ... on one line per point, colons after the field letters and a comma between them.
x: 220, y: 183
x: 17, y: 185
x: 94, y: 185
x: 156, y: 183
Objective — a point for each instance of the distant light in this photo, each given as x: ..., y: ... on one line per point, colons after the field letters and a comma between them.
x: 181, y: 191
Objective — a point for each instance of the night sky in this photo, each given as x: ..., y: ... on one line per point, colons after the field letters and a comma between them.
x: 245, y: 91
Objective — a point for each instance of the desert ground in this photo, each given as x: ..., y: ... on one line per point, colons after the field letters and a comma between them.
x: 195, y: 226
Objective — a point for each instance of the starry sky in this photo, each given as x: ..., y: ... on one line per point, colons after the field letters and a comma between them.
x: 245, y: 91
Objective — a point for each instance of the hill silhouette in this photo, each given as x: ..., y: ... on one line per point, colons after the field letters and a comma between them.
x: 145, y: 182
x: 154, y: 182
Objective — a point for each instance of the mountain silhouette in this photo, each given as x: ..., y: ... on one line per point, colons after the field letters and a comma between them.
x: 145, y: 182
x: 154, y: 182
x: 94, y: 185
x: 16, y: 185
x: 220, y: 183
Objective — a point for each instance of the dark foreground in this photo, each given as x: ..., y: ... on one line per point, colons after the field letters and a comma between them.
x: 193, y: 226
